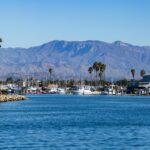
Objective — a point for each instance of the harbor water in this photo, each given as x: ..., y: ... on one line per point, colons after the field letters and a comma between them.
x: 70, y: 122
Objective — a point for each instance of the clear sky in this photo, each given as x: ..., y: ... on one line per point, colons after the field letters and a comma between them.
x: 25, y: 23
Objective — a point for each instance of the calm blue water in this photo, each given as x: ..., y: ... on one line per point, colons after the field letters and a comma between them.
x: 51, y: 122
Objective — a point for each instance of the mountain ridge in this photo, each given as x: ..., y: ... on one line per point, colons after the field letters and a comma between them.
x: 71, y: 59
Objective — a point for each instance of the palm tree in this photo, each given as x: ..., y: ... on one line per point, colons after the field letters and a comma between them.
x: 0, y: 41
x: 50, y: 72
x: 96, y: 67
x: 90, y: 70
x: 133, y: 73
x: 142, y: 73
x: 102, y: 70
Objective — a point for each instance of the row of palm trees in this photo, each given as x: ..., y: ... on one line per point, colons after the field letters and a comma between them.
x: 142, y: 73
x: 99, y: 69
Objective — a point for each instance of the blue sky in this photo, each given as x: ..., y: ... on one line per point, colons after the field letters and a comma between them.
x: 26, y: 23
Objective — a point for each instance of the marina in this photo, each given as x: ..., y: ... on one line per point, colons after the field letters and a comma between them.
x: 75, y: 75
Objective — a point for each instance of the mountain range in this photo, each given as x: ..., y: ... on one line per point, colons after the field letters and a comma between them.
x: 71, y: 59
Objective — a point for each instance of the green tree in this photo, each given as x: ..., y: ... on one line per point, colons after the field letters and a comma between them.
x: 123, y: 82
x: 0, y: 41
x: 90, y: 70
x: 99, y: 69
x: 96, y: 68
x: 50, y: 70
x: 133, y: 73
x: 142, y: 73
x: 102, y: 68
x: 9, y: 80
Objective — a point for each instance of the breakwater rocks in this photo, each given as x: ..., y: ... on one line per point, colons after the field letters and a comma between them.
x: 7, y: 98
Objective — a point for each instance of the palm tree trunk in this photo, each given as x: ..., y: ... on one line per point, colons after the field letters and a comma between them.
x: 96, y: 79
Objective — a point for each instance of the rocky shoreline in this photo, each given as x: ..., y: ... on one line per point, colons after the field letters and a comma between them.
x: 8, y: 98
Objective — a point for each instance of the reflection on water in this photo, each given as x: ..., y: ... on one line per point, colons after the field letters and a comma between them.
x: 75, y: 122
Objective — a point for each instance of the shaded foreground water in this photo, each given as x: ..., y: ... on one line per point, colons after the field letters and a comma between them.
x: 49, y: 122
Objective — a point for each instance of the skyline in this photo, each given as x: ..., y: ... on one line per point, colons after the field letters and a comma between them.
x: 30, y: 23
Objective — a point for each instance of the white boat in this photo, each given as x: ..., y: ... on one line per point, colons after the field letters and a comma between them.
x: 77, y: 90
x: 84, y: 90
x: 61, y: 91
x: 109, y: 91
x: 87, y: 90
x: 53, y: 91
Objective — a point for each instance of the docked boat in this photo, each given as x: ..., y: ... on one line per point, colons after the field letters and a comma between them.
x: 109, y: 91
x: 53, y: 91
x: 61, y: 91
x: 84, y: 90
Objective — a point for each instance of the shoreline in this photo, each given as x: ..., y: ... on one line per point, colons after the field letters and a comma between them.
x: 9, y: 98
x: 134, y: 95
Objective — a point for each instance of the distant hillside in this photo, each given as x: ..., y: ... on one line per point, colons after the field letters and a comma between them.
x: 72, y: 59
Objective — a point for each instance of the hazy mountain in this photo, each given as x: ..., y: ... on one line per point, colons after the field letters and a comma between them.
x: 72, y: 59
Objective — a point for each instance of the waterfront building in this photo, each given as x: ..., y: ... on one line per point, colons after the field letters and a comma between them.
x: 141, y: 87
x: 144, y: 84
